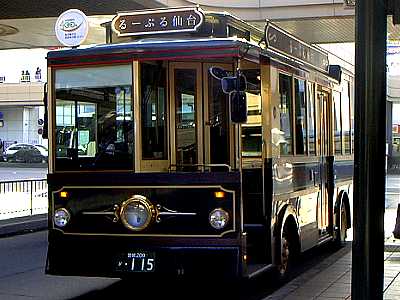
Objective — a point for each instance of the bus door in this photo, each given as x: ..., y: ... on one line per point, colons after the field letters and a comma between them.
x: 323, y: 98
x: 186, y: 115
x: 217, y: 131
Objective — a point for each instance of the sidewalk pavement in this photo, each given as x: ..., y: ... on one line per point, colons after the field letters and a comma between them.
x: 331, y: 279
x: 23, y: 225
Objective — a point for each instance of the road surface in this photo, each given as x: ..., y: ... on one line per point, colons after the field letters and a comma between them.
x: 22, y: 261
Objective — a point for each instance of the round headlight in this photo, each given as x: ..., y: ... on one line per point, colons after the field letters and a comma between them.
x: 61, y: 217
x: 137, y: 213
x: 219, y: 218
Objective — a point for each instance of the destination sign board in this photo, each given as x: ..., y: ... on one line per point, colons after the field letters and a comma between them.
x: 157, y: 21
x: 282, y: 42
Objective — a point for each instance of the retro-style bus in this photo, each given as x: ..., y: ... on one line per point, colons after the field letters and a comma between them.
x: 193, y: 142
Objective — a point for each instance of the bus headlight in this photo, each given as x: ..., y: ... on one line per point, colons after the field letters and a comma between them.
x: 137, y: 213
x: 218, y: 218
x: 61, y: 217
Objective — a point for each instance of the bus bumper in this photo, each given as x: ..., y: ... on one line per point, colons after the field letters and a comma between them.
x: 126, y: 259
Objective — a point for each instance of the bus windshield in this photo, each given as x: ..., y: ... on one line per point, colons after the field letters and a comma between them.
x: 94, y: 119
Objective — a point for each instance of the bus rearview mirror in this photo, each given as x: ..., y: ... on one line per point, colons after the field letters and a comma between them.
x: 230, y: 84
x: 218, y: 73
x: 238, y: 105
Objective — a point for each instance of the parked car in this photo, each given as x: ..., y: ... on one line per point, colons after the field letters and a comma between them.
x: 26, y: 153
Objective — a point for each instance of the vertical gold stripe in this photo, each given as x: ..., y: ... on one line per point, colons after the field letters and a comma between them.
x: 172, y: 121
x: 50, y: 121
x: 266, y: 109
x: 231, y: 130
x: 331, y: 136
x: 199, y: 113
x: 318, y: 135
x: 293, y: 112
x: 237, y: 131
x: 206, y: 115
x: 136, y: 112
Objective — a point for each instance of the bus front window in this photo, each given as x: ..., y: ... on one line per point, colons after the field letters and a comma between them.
x: 94, y: 119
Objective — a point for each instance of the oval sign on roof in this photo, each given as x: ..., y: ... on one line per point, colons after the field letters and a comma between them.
x: 72, y: 27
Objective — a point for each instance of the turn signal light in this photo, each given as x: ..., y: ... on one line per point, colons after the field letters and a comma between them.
x: 64, y: 194
x: 219, y: 194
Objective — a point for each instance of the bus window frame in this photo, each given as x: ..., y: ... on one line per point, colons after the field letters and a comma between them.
x: 290, y: 75
x: 52, y: 109
x: 341, y: 152
x: 343, y: 86
x: 252, y: 159
x: 182, y: 65
x: 311, y: 96
x: 150, y: 165
x: 299, y: 78
x: 206, y: 103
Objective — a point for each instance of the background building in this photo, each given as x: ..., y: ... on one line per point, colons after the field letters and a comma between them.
x: 21, y: 95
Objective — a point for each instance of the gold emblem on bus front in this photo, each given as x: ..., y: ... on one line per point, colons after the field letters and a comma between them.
x: 137, y: 213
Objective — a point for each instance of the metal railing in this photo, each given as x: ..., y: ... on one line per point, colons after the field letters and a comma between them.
x: 20, y: 198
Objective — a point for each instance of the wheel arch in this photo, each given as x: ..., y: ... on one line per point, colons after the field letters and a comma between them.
x: 286, y: 214
x: 342, y: 199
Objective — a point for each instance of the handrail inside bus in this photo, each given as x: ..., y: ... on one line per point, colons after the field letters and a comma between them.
x: 203, y: 166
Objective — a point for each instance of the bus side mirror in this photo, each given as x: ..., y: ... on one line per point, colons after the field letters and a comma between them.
x: 238, y: 106
x: 230, y: 84
x: 218, y: 73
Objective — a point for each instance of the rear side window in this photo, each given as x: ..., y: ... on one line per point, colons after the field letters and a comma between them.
x: 337, y: 123
x: 285, y: 92
x: 300, y: 116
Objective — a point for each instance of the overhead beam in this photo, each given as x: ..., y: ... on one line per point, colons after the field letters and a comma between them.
x: 20, y: 9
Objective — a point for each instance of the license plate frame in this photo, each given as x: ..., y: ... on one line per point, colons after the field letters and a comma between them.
x: 135, y: 262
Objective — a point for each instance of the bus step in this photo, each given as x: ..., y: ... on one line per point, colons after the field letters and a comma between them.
x: 254, y: 270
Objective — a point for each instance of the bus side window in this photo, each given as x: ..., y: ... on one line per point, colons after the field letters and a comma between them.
x: 351, y: 93
x: 346, y: 116
x: 285, y: 106
x: 252, y: 129
x: 337, y: 129
x: 153, y: 111
x: 300, y: 117
x: 311, y: 118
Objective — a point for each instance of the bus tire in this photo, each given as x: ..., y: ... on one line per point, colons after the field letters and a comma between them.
x: 341, y: 226
x: 288, y: 251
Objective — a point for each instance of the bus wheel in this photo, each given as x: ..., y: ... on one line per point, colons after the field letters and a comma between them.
x: 287, y: 252
x: 341, y: 227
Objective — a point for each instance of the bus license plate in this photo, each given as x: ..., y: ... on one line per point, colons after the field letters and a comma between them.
x: 136, y: 262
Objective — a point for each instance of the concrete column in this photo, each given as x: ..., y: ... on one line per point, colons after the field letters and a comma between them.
x: 370, y: 149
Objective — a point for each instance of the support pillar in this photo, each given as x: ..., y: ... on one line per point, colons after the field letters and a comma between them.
x: 369, y: 164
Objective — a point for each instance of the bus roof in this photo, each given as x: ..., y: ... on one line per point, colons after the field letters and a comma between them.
x: 156, y: 49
